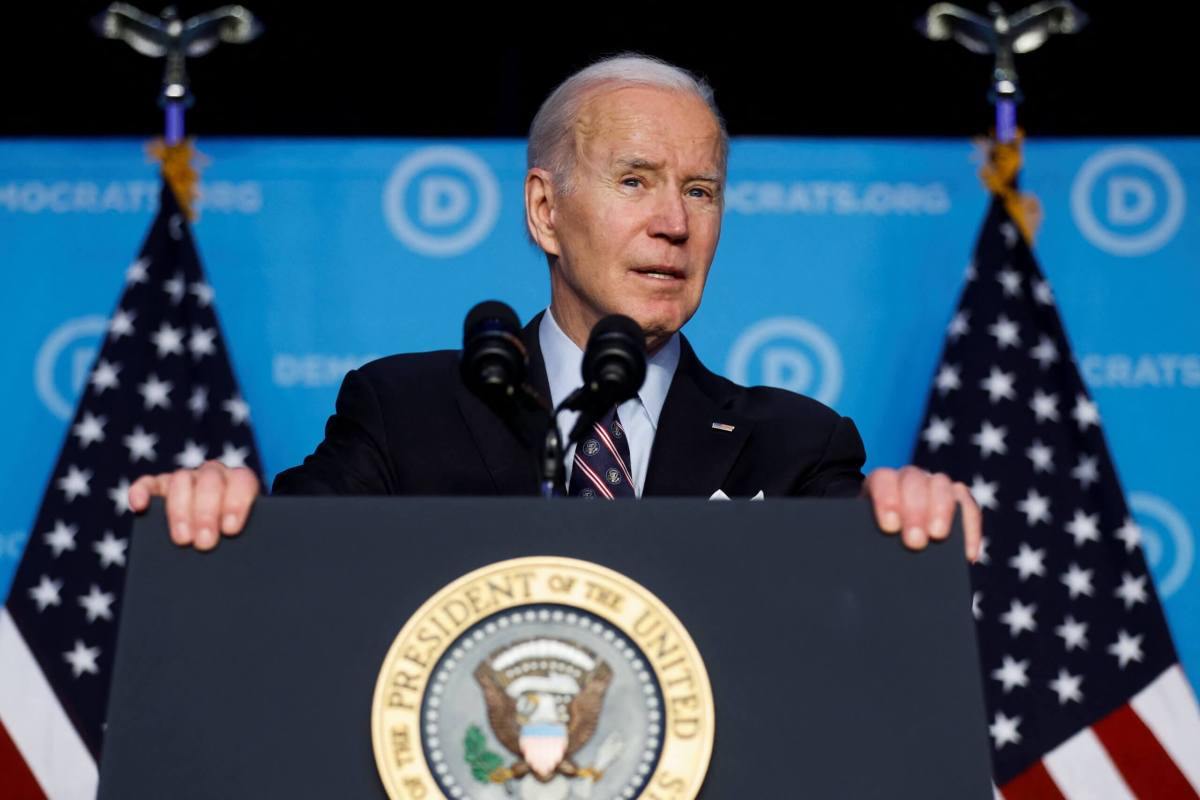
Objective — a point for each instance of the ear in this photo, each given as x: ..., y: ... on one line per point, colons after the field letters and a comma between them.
x: 540, y: 200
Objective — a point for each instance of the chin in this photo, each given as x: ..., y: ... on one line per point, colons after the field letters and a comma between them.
x: 659, y: 326
x: 657, y: 317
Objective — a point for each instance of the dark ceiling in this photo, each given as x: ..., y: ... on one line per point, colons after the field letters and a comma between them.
x: 452, y: 69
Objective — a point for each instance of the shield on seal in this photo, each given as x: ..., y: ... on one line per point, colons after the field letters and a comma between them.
x: 543, y: 746
x: 544, y: 697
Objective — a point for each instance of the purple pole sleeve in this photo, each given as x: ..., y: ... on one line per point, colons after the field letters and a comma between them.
x: 174, y: 122
x: 1006, y: 120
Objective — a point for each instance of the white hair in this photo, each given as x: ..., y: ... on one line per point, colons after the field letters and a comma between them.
x: 552, y: 134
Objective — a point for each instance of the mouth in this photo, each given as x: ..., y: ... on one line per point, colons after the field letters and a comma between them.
x: 660, y: 272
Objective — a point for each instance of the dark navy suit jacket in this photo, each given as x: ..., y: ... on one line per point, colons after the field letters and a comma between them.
x: 407, y: 425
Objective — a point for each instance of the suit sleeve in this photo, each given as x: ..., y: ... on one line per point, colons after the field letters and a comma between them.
x: 838, y: 473
x: 353, y: 458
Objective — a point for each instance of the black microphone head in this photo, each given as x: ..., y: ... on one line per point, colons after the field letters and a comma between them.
x: 494, y: 361
x: 614, y: 364
x: 494, y: 312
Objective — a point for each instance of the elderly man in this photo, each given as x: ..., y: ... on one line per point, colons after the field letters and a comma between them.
x: 624, y: 195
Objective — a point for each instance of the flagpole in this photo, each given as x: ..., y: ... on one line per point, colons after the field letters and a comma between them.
x: 173, y: 39
x: 174, y: 122
x: 167, y: 36
x: 1002, y: 36
x: 1005, y: 95
x: 175, y: 98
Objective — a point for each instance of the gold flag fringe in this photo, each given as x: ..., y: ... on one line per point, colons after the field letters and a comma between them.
x: 178, y: 169
x: 999, y: 174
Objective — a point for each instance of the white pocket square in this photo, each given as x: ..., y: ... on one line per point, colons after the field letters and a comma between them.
x: 720, y: 495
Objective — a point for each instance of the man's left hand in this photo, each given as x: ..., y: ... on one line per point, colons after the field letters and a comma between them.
x: 920, y: 506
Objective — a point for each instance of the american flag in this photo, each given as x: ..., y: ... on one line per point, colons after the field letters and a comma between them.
x: 160, y: 396
x: 1085, y: 694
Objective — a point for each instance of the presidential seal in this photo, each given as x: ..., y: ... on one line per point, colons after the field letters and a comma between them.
x: 543, y: 678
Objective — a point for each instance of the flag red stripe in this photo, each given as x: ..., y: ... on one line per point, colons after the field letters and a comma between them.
x: 19, y: 783
x: 1034, y: 783
x: 1144, y: 764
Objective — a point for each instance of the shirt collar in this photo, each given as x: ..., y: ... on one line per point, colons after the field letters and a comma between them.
x: 564, y: 358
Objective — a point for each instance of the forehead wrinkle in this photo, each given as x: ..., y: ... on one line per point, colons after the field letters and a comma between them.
x: 621, y: 161
x: 592, y: 124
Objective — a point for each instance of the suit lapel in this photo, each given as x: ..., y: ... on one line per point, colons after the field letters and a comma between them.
x: 537, y: 364
x: 508, y: 443
x: 690, y: 456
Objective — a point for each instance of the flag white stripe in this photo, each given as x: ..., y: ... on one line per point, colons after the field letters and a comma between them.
x: 1083, y: 771
x: 38, y: 725
x: 1168, y: 707
x: 996, y: 793
x: 593, y: 477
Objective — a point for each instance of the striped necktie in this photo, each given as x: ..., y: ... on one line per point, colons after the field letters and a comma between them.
x: 601, y: 466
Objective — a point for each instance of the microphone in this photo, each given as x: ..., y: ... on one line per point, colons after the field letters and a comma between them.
x: 494, y: 360
x: 494, y: 366
x: 614, y: 367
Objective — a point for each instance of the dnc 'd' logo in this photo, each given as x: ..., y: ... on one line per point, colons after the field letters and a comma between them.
x: 787, y: 353
x: 64, y: 361
x: 1167, y: 538
x: 543, y: 679
x: 1128, y: 201
x: 441, y: 201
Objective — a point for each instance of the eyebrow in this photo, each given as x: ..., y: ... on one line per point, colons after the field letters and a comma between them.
x: 639, y: 163
x: 646, y: 164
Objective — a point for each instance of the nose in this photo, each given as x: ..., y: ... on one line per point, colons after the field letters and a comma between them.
x: 670, y: 220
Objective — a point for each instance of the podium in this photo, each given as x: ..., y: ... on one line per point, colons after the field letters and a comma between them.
x: 841, y: 665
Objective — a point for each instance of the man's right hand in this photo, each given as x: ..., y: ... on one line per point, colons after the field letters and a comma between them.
x: 202, y: 503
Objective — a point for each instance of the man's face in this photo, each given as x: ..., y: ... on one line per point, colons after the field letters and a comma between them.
x: 638, y: 231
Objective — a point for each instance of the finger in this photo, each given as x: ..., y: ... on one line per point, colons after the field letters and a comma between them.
x: 146, y: 487
x: 914, y: 507
x: 206, y: 504
x: 179, y: 506
x: 941, y: 505
x: 972, y: 519
x: 241, y: 487
x: 883, y: 486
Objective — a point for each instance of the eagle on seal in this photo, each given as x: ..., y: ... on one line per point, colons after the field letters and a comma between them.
x: 544, y: 698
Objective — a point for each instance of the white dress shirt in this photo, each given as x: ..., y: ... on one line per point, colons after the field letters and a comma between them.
x: 639, y: 415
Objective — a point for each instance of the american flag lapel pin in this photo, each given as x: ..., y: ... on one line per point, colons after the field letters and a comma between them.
x: 722, y: 426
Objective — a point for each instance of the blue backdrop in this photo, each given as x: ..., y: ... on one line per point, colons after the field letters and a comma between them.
x: 839, y: 267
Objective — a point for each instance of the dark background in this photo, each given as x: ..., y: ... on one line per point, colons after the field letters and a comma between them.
x: 374, y: 69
